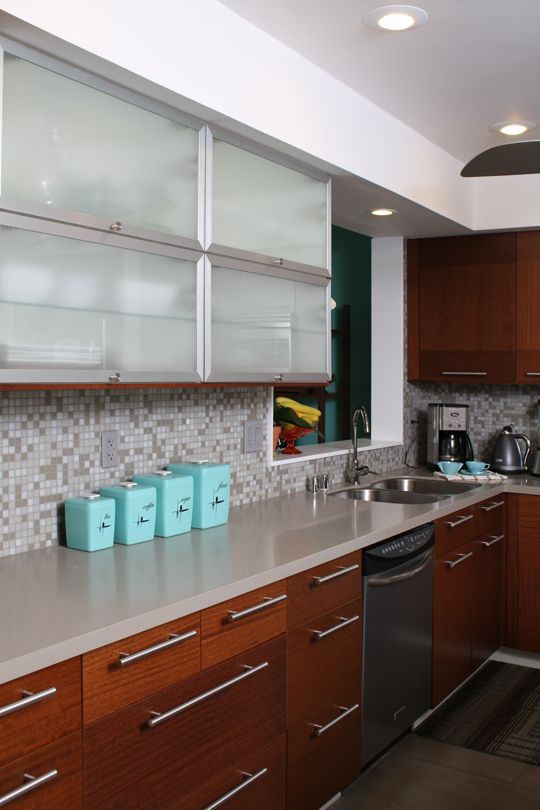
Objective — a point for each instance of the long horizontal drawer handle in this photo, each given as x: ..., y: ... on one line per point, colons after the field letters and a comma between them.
x: 248, y: 780
x: 462, y: 519
x: 342, y: 570
x: 174, y: 638
x: 344, y: 622
x: 267, y: 602
x: 30, y: 783
x: 345, y: 712
x: 464, y: 373
x: 161, y: 717
x: 28, y: 700
x: 461, y: 558
x: 491, y: 506
x: 492, y: 540
x: 532, y: 373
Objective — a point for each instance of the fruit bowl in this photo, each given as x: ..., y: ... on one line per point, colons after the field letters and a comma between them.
x: 290, y: 434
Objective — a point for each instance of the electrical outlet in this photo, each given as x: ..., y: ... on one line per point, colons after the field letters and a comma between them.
x: 109, y: 448
x: 253, y: 435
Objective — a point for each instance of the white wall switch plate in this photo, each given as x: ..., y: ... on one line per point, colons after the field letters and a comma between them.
x: 253, y: 435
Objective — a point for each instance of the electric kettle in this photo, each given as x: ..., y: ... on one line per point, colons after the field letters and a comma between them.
x: 507, y: 456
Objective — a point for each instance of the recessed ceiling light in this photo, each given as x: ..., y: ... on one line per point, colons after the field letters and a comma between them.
x: 382, y: 212
x: 396, y: 18
x: 513, y: 127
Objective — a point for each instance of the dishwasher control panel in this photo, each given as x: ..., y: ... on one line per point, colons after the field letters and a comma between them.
x: 403, y: 544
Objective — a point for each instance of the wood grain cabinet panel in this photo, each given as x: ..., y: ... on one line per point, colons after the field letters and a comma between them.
x: 528, y: 585
x: 158, y: 658
x: 454, y: 530
x: 490, y: 516
x: 321, y: 589
x: 61, y: 762
x: 488, y: 594
x: 238, y: 624
x: 232, y: 710
x: 528, y: 296
x: 24, y: 727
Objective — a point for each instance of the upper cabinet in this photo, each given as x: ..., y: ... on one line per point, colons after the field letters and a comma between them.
x: 264, y: 209
x: 462, y: 309
x: 528, y: 298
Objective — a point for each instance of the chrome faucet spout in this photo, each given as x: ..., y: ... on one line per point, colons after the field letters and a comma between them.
x: 357, y: 470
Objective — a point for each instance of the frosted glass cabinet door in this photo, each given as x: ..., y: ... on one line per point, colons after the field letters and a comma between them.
x: 265, y: 327
x: 67, y: 147
x: 263, y: 207
x: 73, y: 311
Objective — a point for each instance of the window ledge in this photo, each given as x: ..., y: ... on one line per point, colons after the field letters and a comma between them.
x: 311, y: 452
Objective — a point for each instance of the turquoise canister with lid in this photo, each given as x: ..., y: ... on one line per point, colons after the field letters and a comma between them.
x: 135, y: 512
x: 211, y: 491
x: 174, y: 501
x: 90, y: 522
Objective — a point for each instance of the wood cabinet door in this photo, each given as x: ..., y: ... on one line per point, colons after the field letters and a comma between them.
x: 452, y: 610
x: 465, y: 299
x: 488, y: 595
x: 523, y: 560
x: 527, y: 297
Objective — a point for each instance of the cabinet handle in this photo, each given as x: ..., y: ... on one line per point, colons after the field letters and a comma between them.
x: 491, y: 506
x: 342, y: 570
x: 30, y: 783
x: 532, y: 373
x: 280, y: 262
x: 174, y: 638
x: 115, y: 378
x: 248, y: 780
x: 279, y: 377
x: 267, y: 602
x: 317, y: 634
x: 345, y: 712
x: 461, y: 558
x: 116, y: 226
x: 462, y: 519
x: 161, y: 717
x: 464, y: 373
x: 492, y: 540
x: 28, y: 700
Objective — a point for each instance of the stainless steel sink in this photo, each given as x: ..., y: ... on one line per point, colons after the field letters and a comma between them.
x: 430, y: 486
x: 386, y: 495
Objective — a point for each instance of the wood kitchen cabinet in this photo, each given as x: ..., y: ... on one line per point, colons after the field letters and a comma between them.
x: 462, y: 308
x: 523, y: 615
x: 528, y: 296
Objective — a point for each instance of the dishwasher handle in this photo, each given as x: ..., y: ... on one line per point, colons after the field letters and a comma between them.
x: 409, y: 574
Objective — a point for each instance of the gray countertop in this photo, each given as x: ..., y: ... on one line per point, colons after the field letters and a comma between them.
x: 57, y: 603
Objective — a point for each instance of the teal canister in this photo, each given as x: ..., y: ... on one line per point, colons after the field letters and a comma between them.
x: 174, y: 501
x: 211, y: 491
x: 90, y: 522
x: 135, y: 512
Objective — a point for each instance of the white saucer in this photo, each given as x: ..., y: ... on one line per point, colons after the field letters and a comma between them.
x: 476, y: 475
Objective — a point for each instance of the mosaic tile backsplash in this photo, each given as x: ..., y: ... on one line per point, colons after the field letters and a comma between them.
x: 50, y: 450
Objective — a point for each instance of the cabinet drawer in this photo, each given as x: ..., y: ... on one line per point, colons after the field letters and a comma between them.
x: 477, y: 366
x: 57, y: 772
x: 490, y: 515
x: 454, y: 530
x: 126, y: 671
x: 238, y: 624
x: 322, y: 762
x: 323, y: 588
x: 258, y: 779
x: 135, y: 759
x: 39, y: 708
x: 324, y: 662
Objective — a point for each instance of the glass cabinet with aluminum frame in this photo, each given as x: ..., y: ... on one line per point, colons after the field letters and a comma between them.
x: 265, y: 325
x: 77, y: 306
x: 264, y: 208
x: 78, y: 149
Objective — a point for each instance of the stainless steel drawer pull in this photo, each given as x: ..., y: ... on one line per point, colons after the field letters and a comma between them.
x: 30, y: 783
x: 317, y: 634
x: 174, y: 638
x: 532, y: 373
x: 268, y: 601
x: 249, y: 778
x: 345, y: 712
x: 492, y: 540
x: 461, y: 558
x: 161, y: 717
x: 342, y: 570
x: 28, y: 700
x: 491, y: 506
x: 462, y: 519
x: 464, y: 373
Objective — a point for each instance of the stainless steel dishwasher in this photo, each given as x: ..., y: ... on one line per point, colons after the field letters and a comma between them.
x: 398, y: 608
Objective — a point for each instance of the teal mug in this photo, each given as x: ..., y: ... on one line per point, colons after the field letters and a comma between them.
x: 449, y: 467
x: 477, y: 466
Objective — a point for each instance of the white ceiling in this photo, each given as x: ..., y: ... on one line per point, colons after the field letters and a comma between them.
x: 475, y: 63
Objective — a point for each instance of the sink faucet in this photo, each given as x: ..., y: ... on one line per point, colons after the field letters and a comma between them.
x: 356, y: 470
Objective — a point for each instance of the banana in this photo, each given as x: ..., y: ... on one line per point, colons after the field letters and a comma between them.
x: 303, y: 411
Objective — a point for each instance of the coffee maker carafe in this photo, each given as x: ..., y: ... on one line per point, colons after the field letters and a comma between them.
x: 448, y: 437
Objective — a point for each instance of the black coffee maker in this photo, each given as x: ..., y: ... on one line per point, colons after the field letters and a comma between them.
x: 447, y: 434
